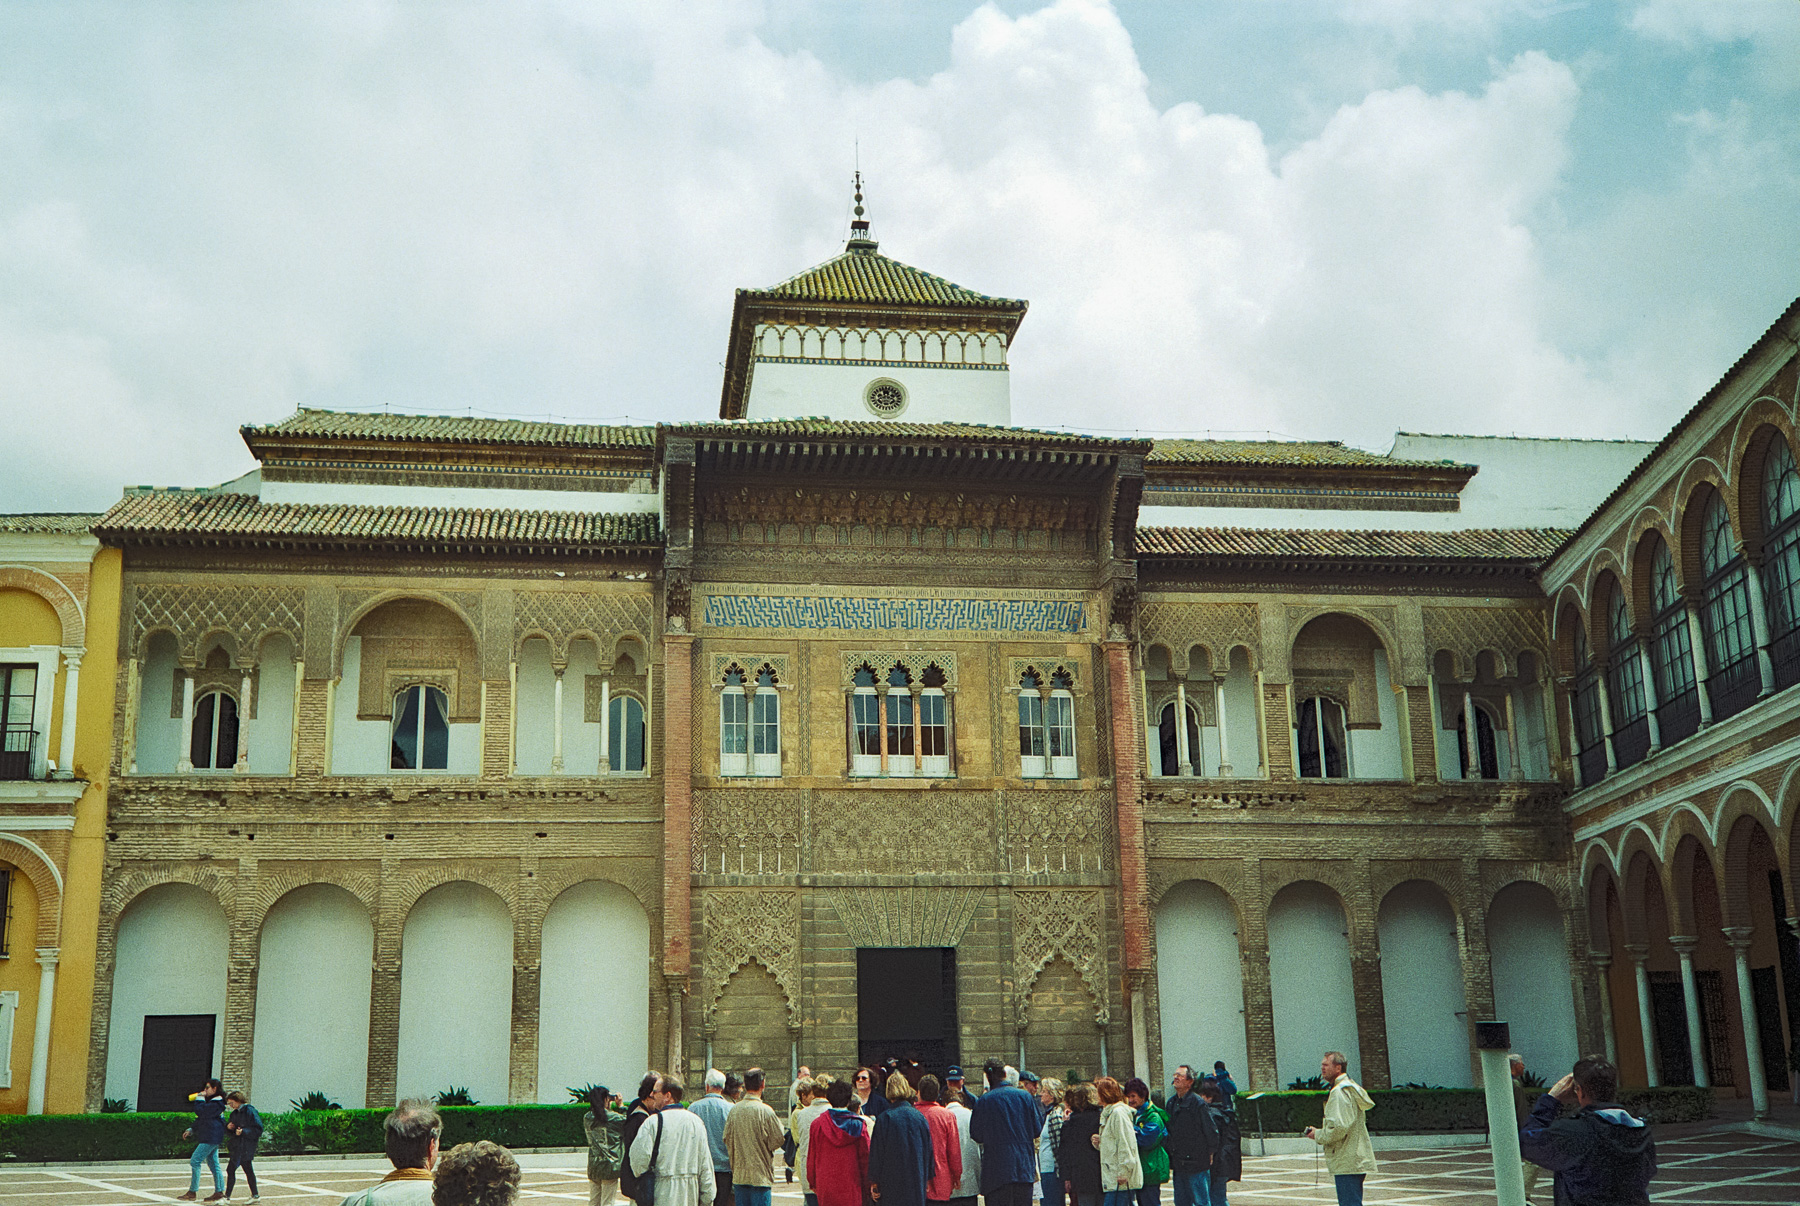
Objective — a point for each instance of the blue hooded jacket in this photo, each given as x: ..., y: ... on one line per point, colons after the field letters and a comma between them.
x: 209, y: 1119
x: 1601, y: 1155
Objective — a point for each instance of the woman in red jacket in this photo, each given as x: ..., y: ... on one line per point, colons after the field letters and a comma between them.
x: 837, y: 1151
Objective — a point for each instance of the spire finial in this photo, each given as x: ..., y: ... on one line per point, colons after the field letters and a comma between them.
x: 861, y: 239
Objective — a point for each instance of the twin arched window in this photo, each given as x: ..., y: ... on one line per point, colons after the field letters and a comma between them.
x: 1046, y: 727
x: 1625, y: 682
x: 1169, y: 741
x: 214, y: 745
x: 1322, y: 745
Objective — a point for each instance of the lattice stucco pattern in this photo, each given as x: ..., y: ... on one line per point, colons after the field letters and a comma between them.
x: 746, y: 925
x: 1466, y: 631
x: 1218, y: 627
x: 1066, y: 922
x: 247, y: 613
x: 915, y: 917
x: 750, y: 664
x: 564, y: 615
x: 881, y: 661
x: 747, y: 832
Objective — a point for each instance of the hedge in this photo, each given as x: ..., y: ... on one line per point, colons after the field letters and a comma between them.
x: 1447, y: 1111
x: 50, y: 1137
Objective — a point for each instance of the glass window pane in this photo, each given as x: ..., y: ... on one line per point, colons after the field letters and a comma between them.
x: 405, y: 753
x: 436, y: 752
x: 1781, y: 486
x: 200, y: 746
x: 1031, y: 726
x: 900, y: 733
x: 1060, y: 726
x: 733, y: 722
x: 867, y: 712
x: 768, y: 722
x: 628, y: 733
x: 933, y: 731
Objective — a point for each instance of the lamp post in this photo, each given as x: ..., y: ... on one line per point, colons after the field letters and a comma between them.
x: 1494, y: 1041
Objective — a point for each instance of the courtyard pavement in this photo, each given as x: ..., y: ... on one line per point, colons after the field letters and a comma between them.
x: 1699, y: 1168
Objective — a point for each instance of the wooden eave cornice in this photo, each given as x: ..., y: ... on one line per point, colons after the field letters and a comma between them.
x: 300, y: 452
x: 1423, y: 479
x: 861, y: 457
x: 752, y: 307
x: 436, y: 546
x: 1250, y: 565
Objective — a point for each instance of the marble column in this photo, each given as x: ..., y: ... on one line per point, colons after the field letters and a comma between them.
x: 1702, y: 668
x: 1224, y: 744
x: 1759, y: 627
x: 40, y: 1039
x: 1684, y: 945
x: 185, y: 763
x: 1609, y: 1032
x: 1640, y: 954
x: 1739, y: 938
x: 556, y: 751
x: 1181, y: 734
x: 65, y: 758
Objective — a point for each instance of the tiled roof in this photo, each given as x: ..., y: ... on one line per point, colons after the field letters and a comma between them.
x: 873, y: 429
x: 241, y: 518
x: 1477, y: 544
x: 868, y: 276
x: 48, y: 523
x: 1276, y: 452
x: 453, y: 429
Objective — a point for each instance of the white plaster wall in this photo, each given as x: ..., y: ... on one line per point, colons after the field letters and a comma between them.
x: 642, y: 499
x: 1242, y: 732
x: 1532, y: 988
x: 536, y: 737
x: 271, y: 734
x: 1422, y: 988
x: 1200, y: 980
x: 594, y: 994
x: 1375, y: 753
x: 364, y: 747
x: 171, y: 957
x: 312, y: 998
x: 581, y: 742
x: 1309, y: 979
x: 158, y: 736
x: 1534, y: 746
x: 790, y: 390
x: 456, y: 964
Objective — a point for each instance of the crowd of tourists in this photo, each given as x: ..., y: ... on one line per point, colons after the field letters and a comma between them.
x: 899, y: 1136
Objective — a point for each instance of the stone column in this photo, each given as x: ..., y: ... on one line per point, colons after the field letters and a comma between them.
x: 1603, y: 688
x: 1603, y: 965
x: 1640, y: 953
x: 185, y: 763
x: 1739, y: 938
x: 1684, y: 945
x: 556, y: 749
x: 678, y: 819
x: 1652, y: 701
x: 606, y: 726
x: 1224, y: 744
x: 918, y: 695
x: 65, y: 757
x: 1516, y: 768
x: 1134, y: 911
x: 1759, y: 627
x: 40, y: 1038
x: 243, y: 742
x: 1702, y: 671
x: 1471, y: 738
x: 1182, y: 752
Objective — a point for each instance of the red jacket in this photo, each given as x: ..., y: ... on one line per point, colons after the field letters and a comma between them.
x: 837, y: 1158
x: 946, y: 1152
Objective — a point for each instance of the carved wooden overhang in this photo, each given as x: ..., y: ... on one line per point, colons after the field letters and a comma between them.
x: 445, y: 450
x: 755, y: 307
x: 1306, y: 485
x: 895, y: 451
x: 1178, y: 555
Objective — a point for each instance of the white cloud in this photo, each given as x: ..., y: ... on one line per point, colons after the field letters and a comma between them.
x: 545, y: 209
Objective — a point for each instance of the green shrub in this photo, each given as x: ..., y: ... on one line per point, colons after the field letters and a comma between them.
x: 455, y: 1095
x: 114, y: 1105
x: 315, y: 1100
x: 1446, y: 1111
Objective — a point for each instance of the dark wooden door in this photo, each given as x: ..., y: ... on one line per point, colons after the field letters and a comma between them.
x: 906, y: 1006
x: 177, y: 1059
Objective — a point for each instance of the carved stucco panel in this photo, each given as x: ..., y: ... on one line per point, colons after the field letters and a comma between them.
x: 1052, y: 922
x: 759, y: 924
x: 913, y: 917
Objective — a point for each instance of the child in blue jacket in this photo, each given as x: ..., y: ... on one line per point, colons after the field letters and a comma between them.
x: 207, y: 1133
x: 242, y: 1131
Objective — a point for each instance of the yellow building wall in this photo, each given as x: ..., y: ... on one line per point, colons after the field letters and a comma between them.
x: 19, y: 973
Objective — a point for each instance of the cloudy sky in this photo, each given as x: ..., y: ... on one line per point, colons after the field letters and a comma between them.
x: 1310, y: 218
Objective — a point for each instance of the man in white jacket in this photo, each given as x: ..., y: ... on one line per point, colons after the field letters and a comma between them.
x: 1349, y: 1156
x: 684, y: 1165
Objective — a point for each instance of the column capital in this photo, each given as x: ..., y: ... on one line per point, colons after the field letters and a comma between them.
x: 1684, y: 944
x: 1600, y: 959
x: 1738, y: 936
x: 1639, y: 952
x: 47, y: 956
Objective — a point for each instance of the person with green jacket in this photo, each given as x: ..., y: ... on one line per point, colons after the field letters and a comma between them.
x: 605, y: 1129
x: 1152, y: 1129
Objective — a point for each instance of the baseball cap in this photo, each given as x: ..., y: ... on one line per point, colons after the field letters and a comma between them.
x: 1030, y: 1076
x: 953, y: 1073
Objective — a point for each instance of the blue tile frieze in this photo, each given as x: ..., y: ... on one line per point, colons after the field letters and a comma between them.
x: 939, y: 615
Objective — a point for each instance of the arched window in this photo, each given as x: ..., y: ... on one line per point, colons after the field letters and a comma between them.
x: 1324, y: 752
x: 934, y: 724
x: 765, y: 725
x: 900, y: 761
x: 1725, y: 615
x: 1671, y: 651
x: 215, y: 742
x: 865, y: 725
x: 1625, y: 680
x: 421, y: 734
x: 734, y: 725
x: 1169, y: 745
x: 1485, y: 750
x: 1031, y: 726
x: 1781, y: 559
x: 626, y: 716
x: 1059, y: 725
x: 1590, y: 734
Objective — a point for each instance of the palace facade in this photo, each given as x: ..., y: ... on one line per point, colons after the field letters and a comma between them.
x: 862, y: 721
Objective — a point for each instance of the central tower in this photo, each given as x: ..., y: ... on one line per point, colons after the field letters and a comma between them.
x: 865, y: 337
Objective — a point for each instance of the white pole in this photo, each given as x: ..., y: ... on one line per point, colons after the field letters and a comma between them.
x: 185, y: 764
x: 1609, y: 1033
x: 1503, y: 1123
x: 40, y: 1039
x: 605, y: 725
x: 556, y: 757
x: 1639, y: 953
x: 1224, y: 746
x: 65, y: 761
x: 1181, y: 733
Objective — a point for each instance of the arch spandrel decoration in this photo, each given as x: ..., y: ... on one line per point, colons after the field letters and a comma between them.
x: 246, y: 613
x: 750, y: 664
x: 1046, y: 669
x: 916, y: 917
x: 746, y: 925
x: 1070, y: 923
x: 1218, y: 627
x: 883, y: 660
x: 1505, y: 631
x: 560, y: 616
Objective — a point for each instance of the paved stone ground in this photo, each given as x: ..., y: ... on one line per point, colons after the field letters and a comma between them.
x: 1699, y: 1168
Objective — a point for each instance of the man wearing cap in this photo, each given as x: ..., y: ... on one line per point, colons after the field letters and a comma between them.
x: 954, y: 1087
x: 1005, y: 1122
x: 1029, y: 1082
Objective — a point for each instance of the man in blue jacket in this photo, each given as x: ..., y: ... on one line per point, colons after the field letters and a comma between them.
x: 1005, y: 1122
x: 1601, y: 1155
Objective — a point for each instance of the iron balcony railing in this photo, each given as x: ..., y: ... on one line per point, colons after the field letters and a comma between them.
x: 1734, y: 688
x: 1679, y: 718
x: 16, y: 750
